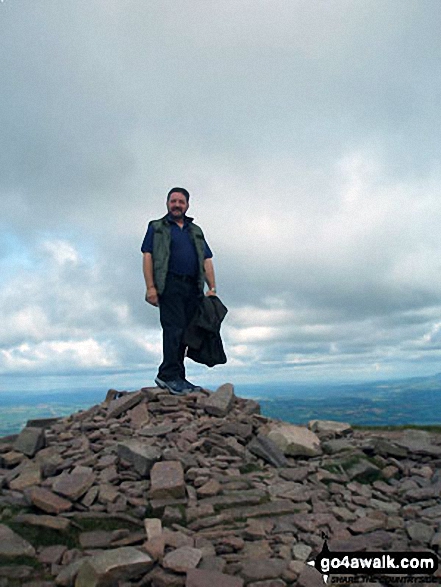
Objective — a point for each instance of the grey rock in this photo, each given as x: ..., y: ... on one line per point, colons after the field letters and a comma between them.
x: 12, y: 545
x: 205, y: 578
x: 113, y: 565
x: 363, y: 470
x: 268, y: 450
x: 419, y: 532
x: 336, y: 445
x: 182, y: 559
x: 140, y: 454
x: 262, y: 569
x: 329, y: 427
x: 295, y: 440
x: 30, y: 441
x: 221, y: 401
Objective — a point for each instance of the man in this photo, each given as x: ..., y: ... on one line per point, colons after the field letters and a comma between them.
x: 177, y: 262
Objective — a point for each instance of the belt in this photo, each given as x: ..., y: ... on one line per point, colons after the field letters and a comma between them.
x: 185, y: 278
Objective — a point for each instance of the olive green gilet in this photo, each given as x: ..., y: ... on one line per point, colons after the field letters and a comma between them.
x: 161, y: 252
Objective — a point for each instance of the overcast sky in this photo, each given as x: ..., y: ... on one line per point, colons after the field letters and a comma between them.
x: 308, y: 134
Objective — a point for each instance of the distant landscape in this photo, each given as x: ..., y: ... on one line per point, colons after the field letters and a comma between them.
x: 414, y: 401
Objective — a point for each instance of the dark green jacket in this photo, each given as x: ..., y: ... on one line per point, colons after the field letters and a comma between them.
x: 161, y: 251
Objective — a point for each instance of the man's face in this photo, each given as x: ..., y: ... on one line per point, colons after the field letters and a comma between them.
x: 177, y: 205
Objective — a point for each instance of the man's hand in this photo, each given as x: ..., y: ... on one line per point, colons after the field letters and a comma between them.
x: 209, y: 293
x: 151, y: 296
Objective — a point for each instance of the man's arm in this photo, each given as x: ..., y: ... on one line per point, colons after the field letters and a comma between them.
x: 209, y: 277
x: 151, y: 295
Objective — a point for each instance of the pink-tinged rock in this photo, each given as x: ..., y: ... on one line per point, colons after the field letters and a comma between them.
x: 12, y: 545
x: 124, y: 403
x: 155, y: 547
x: 367, y: 524
x: 108, y: 568
x: 262, y: 569
x: 205, y: 578
x: 30, y: 475
x: 139, y: 416
x: 295, y: 440
x: 74, y: 485
x: 182, y: 559
x: 52, y: 555
x: 153, y: 527
x: 47, y: 501
x: 209, y: 489
x: 167, y: 480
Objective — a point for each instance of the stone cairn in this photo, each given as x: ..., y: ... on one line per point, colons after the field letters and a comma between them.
x: 149, y: 489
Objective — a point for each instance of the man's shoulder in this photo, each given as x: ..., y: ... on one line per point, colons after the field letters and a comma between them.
x: 158, y: 222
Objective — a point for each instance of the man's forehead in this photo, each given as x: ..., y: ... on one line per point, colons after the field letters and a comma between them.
x: 177, y: 196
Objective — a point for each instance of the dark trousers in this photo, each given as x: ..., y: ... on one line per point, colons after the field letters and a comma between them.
x: 177, y: 306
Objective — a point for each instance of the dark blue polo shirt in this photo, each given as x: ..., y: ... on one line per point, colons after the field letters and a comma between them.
x: 183, y: 256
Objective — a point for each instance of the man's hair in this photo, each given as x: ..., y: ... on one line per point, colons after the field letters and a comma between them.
x: 182, y: 191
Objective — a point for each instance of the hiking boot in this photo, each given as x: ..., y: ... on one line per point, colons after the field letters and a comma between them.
x: 174, y: 386
x: 191, y: 386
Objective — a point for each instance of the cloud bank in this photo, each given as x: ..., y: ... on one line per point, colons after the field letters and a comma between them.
x: 307, y: 134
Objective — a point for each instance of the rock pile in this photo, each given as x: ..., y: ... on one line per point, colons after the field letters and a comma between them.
x: 149, y: 489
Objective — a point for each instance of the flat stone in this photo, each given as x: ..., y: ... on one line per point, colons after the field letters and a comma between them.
x: 30, y: 441
x: 431, y: 512
x: 269, y: 583
x: 158, y: 430
x: 12, y: 545
x: 366, y: 524
x: 182, y: 559
x: 50, y: 461
x: 295, y: 440
x: 330, y: 427
x: 205, y: 578
x: 30, y: 475
x: 11, y: 458
x: 167, y: 480
x: 45, y: 521
x: 418, y: 442
x: 153, y: 527
x: 52, y: 555
x: 363, y: 470
x: 419, y: 532
x: 95, y: 539
x: 47, y: 501
x: 336, y: 445
x: 221, y: 401
x: 266, y: 449
x: 262, y: 569
x: 301, y: 551
x: 140, y: 454
x: 139, y: 416
x: 309, y: 577
x: 111, y: 566
x: 236, y: 429
x: 74, y: 485
x: 209, y: 489
x: 124, y: 403
x: 42, y: 423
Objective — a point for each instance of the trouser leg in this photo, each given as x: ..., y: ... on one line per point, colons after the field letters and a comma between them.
x: 177, y: 305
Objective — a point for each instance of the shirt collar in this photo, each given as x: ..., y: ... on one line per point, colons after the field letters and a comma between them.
x: 187, y: 219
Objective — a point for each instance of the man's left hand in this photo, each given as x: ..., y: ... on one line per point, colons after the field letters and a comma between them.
x: 210, y: 293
